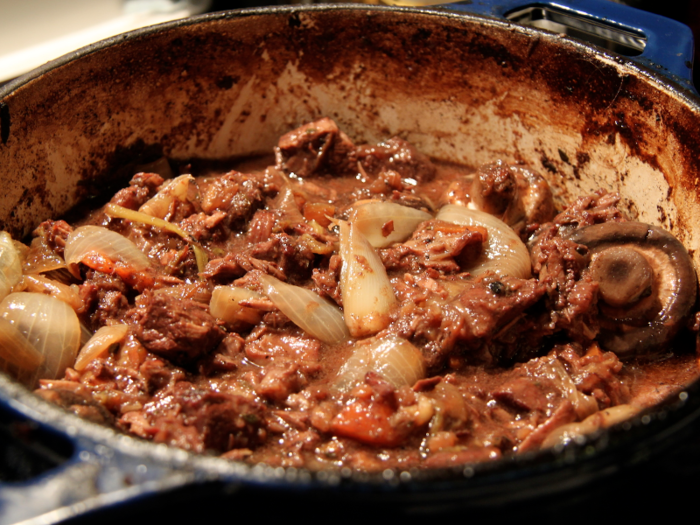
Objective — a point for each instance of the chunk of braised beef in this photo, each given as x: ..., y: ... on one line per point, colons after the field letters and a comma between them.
x: 597, y: 373
x: 151, y: 181
x: 105, y: 297
x: 179, y: 330
x: 50, y: 237
x: 497, y: 188
x: 79, y: 401
x: 226, y: 357
x: 198, y: 419
x: 232, y: 421
x: 236, y: 194
x: 281, y: 255
x: 316, y: 148
x: 495, y: 308
x: 565, y: 413
x: 279, y: 380
x: 292, y: 257
x: 524, y: 394
x: 203, y: 227
x: 398, y: 155
x: 474, y: 324
x: 518, y: 196
x: 158, y: 373
x: 265, y: 345
x: 327, y: 281
x: 142, y: 187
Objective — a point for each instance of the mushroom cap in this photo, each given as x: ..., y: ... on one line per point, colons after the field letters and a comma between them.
x: 647, y: 282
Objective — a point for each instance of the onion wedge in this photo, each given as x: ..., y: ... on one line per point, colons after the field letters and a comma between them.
x: 308, y: 310
x: 395, y: 359
x: 97, y: 240
x: 504, y: 252
x: 10, y: 264
x: 159, y: 204
x: 99, y: 343
x: 384, y: 223
x: 226, y: 304
x: 200, y: 255
x: 368, y: 297
x: 40, y: 284
x: 17, y: 356
x: 50, y: 326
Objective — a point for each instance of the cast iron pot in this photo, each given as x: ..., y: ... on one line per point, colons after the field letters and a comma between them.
x: 461, y: 87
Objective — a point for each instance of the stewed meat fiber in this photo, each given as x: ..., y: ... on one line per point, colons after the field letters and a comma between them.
x: 350, y: 305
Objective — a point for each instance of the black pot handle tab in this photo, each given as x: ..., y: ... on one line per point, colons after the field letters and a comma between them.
x: 658, y: 43
x: 55, y: 472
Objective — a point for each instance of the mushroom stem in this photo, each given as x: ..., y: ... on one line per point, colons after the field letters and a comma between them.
x: 624, y: 275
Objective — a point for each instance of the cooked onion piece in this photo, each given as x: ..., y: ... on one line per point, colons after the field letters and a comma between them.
x: 504, y: 252
x: 605, y: 418
x: 17, y: 356
x: 394, y: 358
x: 50, y: 326
x: 195, y: 291
x: 10, y: 264
x: 143, y: 218
x: 42, y: 262
x: 87, y: 241
x: 175, y: 189
x: 286, y: 204
x: 552, y: 368
x: 364, y: 285
x: 384, y: 223
x: 63, y: 292
x: 99, y: 343
x: 308, y: 310
x: 226, y: 304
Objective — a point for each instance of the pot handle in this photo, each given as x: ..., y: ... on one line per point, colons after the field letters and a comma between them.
x: 669, y: 46
x: 78, y: 476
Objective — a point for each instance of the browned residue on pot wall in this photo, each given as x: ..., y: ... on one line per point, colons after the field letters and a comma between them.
x: 461, y: 90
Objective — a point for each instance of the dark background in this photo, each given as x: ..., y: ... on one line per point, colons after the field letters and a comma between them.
x: 664, y: 486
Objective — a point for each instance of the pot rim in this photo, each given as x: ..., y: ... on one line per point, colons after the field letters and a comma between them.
x: 446, y: 10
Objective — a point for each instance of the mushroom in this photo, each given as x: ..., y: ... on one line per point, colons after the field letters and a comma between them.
x: 647, y: 285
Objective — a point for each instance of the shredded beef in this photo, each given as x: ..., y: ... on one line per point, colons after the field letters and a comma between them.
x: 438, y: 245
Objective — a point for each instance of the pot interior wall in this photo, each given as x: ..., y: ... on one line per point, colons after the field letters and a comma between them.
x: 460, y: 88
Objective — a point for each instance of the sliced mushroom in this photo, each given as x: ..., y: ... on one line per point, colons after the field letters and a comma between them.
x: 647, y: 285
